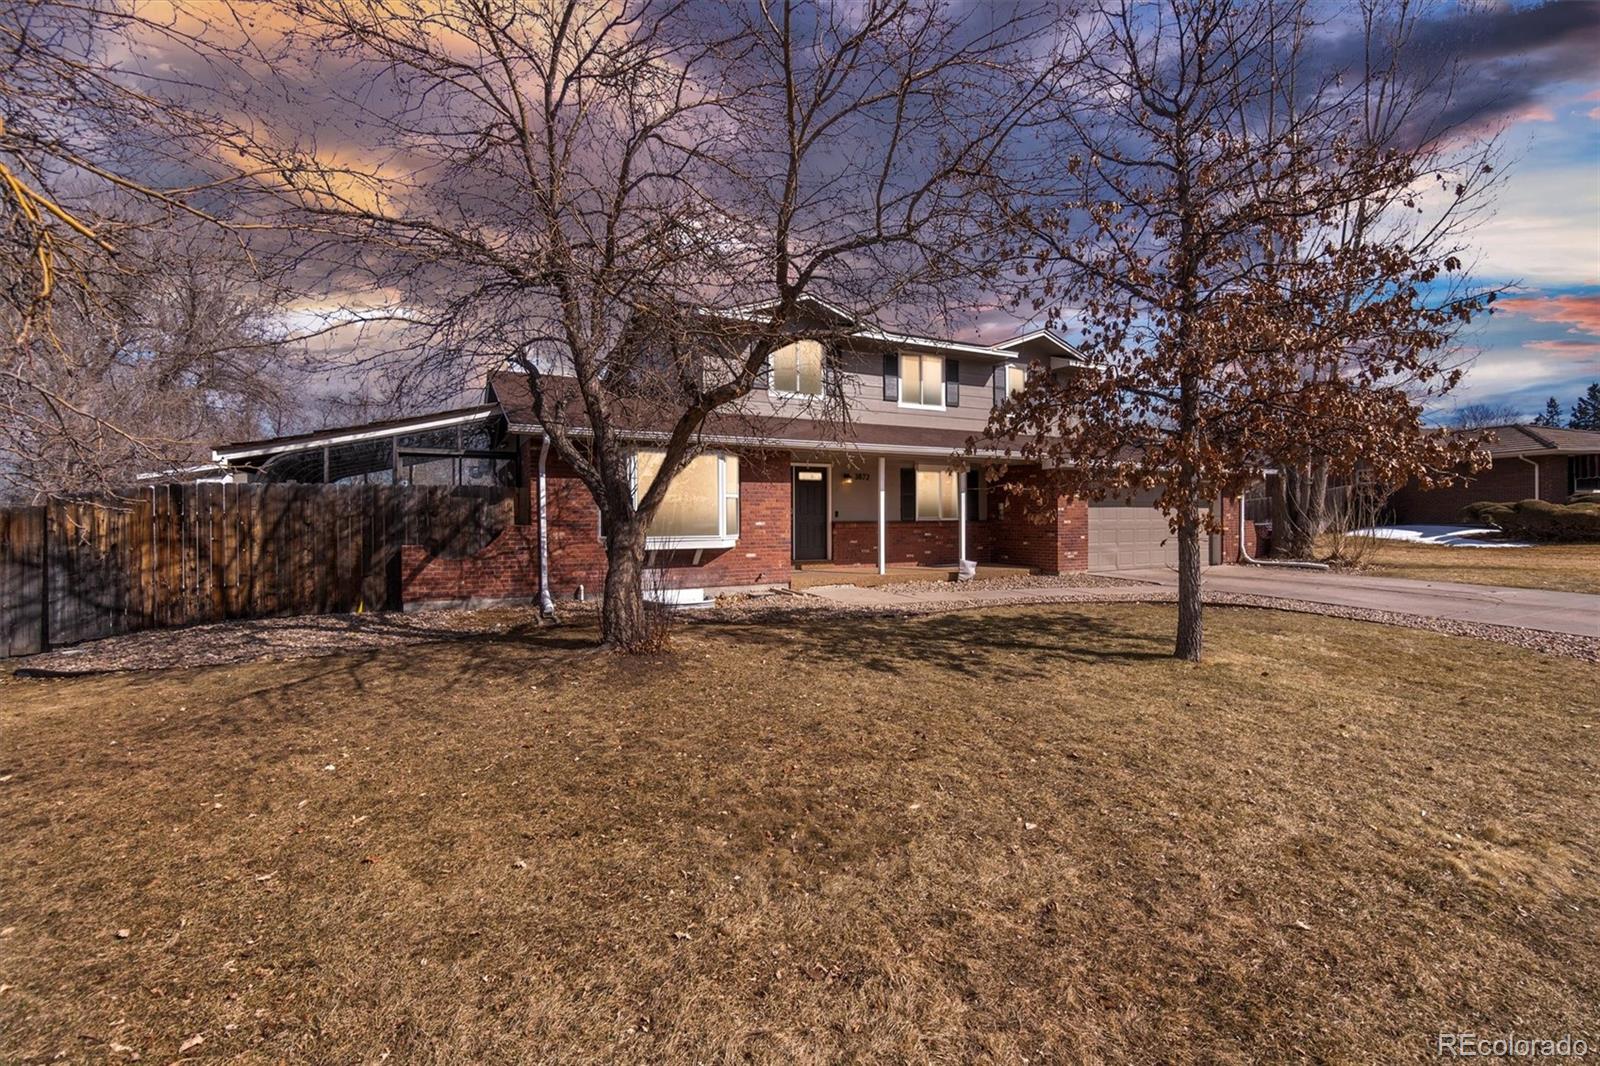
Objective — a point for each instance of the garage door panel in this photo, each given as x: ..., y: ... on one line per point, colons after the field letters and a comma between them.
x: 1127, y: 535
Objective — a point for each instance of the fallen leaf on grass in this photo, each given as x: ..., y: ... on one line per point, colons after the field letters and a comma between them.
x: 191, y: 1043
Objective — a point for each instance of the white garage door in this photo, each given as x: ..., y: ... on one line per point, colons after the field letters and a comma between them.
x: 1126, y: 535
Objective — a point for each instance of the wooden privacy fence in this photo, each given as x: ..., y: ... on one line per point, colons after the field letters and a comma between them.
x: 176, y: 555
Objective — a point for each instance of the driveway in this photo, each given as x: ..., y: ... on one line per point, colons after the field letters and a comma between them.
x: 1556, y: 612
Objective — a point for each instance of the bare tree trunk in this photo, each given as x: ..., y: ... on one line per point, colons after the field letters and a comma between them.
x: 624, y: 624
x: 1299, y: 509
x: 1191, y: 629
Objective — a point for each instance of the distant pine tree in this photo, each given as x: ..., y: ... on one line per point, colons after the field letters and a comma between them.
x: 1586, y: 412
x: 1551, y: 416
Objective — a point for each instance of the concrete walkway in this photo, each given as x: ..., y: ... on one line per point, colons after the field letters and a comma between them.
x: 1571, y: 613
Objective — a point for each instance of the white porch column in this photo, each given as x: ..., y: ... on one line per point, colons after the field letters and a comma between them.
x: 961, y: 508
x: 883, y: 517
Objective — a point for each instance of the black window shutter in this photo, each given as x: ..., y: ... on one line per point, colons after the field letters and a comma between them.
x: 952, y: 383
x: 908, y: 494
x: 974, y: 480
x: 764, y: 375
x: 891, y: 376
x: 1000, y: 373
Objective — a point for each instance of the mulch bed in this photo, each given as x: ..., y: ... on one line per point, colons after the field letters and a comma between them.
x: 284, y: 639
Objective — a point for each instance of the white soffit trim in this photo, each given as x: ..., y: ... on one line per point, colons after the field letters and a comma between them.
x: 653, y: 436
x: 227, y: 453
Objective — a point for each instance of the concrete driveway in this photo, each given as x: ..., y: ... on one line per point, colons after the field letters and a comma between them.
x: 1555, y: 612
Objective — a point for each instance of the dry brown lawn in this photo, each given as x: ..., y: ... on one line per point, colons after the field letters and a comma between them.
x: 1017, y: 834
x: 1563, y: 567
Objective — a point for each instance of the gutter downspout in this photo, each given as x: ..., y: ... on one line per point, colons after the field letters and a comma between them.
x: 1533, y: 463
x: 1289, y: 564
x: 547, y: 605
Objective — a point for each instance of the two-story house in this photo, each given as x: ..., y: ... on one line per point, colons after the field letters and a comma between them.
x: 783, y: 482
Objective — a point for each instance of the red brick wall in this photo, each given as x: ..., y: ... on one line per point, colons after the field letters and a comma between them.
x: 1508, y: 480
x: 507, y: 569
x: 911, y: 542
x: 577, y: 555
x: 1050, y: 534
x: 1230, y: 532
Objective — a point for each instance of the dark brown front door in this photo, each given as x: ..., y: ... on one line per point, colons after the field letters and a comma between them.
x: 810, y: 513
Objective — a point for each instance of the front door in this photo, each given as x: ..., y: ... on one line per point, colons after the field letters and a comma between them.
x: 810, y: 513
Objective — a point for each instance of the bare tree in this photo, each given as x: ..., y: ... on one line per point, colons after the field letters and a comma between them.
x: 632, y: 201
x: 1190, y: 242
x: 183, y: 343
x: 1484, y: 415
x: 94, y: 157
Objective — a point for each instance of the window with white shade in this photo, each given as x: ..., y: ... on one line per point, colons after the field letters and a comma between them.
x: 936, y: 494
x: 1016, y: 379
x: 701, y: 508
x: 797, y: 369
x: 922, y: 381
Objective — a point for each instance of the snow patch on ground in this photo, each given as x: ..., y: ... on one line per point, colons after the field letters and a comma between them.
x: 1445, y: 536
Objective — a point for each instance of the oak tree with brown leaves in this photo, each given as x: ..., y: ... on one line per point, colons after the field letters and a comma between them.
x: 1191, y: 240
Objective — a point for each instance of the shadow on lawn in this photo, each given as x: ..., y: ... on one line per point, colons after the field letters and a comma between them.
x: 445, y: 663
x: 1030, y: 641
x: 444, y: 666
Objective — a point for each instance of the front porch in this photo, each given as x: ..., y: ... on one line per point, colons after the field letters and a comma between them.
x: 882, y: 519
x: 813, y: 575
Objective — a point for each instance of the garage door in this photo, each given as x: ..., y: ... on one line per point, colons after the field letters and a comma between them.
x: 1126, y: 535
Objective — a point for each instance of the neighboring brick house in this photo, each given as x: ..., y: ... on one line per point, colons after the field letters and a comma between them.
x: 1526, y: 463
x: 774, y: 488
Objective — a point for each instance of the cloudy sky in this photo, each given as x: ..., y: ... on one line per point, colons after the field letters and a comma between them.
x: 1535, y: 77
x: 1544, y: 237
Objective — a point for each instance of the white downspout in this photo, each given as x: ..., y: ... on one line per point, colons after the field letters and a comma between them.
x: 1535, y: 466
x: 883, y: 517
x: 1288, y: 564
x: 961, y: 509
x: 547, y: 604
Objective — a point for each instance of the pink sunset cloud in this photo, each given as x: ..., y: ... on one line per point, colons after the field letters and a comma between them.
x: 1581, y: 351
x: 1582, y: 313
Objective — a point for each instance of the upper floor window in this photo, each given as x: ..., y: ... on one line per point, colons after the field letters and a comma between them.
x: 1016, y: 378
x: 797, y: 369
x: 701, y: 508
x: 922, y: 381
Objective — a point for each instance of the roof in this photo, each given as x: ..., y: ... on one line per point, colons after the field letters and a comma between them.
x: 389, y: 427
x: 865, y: 329
x: 510, y: 387
x: 1043, y: 342
x: 1524, y: 439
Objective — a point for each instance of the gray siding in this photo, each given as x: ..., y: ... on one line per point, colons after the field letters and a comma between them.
x: 863, y: 393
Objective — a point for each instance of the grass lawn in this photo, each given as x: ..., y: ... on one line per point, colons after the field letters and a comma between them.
x: 1017, y: 833
x: 1564, y: 567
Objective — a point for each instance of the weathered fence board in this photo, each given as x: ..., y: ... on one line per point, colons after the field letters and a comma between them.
x: 22, y: 584
x: 177, y: 555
